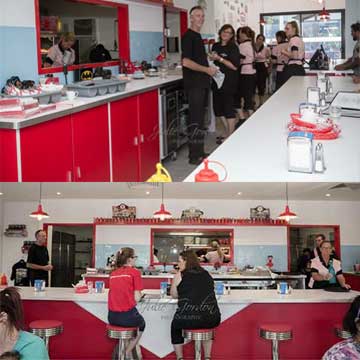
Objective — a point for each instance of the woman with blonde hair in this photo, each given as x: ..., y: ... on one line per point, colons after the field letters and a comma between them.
x: 62, y: 53
x: 295, y: 52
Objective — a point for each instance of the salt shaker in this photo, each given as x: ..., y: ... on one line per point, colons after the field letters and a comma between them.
x: 319, y: 164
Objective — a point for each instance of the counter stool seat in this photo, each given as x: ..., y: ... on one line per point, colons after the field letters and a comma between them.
x: 341, y: 333
x: 122, y: 334
x: 275, y: 333
x: 46, y: 328
x: 198, y: 336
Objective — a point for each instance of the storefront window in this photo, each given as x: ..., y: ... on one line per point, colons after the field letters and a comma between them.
x: 315, y: 33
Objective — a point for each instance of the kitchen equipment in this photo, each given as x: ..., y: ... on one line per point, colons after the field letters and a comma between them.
x: 93, y: 88
x: 173, y: 120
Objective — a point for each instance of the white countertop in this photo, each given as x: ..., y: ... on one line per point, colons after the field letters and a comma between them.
x: 258, y: 149
x: 82, y: 103
x: 236, y: 296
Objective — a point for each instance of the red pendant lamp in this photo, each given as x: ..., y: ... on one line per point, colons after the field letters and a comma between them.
x: 287, y: 215
x: 162, y: 214
x: 39, y: 214
x: 262, y: 21
x: 324, y: 15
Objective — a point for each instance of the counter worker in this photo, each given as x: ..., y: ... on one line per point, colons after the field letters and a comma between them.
x: 197, y: 79
x: 247, y: 77
x: 215, y: 255
x: 62, y: 51
x: 319, y: 238
x: 225, y: 54
x: 262, y: 59
x: 354, y: 61
x: 295, y: 52
x: 325, y: 270
x: 38, y: 259
x: 279, y: 59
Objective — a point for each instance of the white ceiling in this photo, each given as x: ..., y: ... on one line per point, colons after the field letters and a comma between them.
x: 249, y: 191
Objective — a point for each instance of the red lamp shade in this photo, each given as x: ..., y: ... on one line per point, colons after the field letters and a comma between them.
x: 162, y: 214
x: 324, y: 15
x: 39, y: 213
x: 262, y: 21
x: 287, y: 215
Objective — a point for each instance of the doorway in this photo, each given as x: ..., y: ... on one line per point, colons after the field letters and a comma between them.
x: 71, y: 251
x: 301, y: 237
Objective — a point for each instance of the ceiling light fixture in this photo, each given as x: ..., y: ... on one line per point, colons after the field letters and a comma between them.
x: 162, y: 214
x: 287, y: 215
x: 39, y: 214
x: 328, y: 195
x: 324, y: 15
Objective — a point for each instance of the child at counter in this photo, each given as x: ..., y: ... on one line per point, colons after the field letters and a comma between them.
x: 197, y: 306
x: 13, y: 339
x: 348, y: 349
x: 125, y: 287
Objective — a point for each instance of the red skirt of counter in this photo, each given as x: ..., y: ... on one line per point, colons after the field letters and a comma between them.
x: 107, y: 138
x: 312, y: 314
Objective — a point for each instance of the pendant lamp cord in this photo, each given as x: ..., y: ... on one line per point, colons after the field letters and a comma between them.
x: 40, y: 193
x: 287, y: 194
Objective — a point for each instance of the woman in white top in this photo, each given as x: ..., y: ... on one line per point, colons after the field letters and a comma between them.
x: 62, y: 53
x: 215, y: 255
x: 295, y: 52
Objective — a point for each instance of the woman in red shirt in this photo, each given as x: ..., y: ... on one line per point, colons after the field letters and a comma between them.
x: 124, y: 293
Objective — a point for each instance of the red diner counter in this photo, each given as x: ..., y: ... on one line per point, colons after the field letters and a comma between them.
x: 105, y: 138
x: 312, y: 314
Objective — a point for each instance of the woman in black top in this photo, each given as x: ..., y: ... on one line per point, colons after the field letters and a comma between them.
x: 226, y: 56
x: 197, y: 306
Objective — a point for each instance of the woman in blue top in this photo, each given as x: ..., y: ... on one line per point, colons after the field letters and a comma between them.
x: 12, y: 337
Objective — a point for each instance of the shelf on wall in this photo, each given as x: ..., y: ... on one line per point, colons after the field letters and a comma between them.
x: 212, y: 222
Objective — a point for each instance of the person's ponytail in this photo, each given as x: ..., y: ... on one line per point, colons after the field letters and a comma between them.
x: 10, y: 304
x: 123, y: 256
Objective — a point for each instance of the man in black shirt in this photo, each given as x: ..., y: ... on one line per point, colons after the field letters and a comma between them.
x: 38, y: 259
x: 197, y: 78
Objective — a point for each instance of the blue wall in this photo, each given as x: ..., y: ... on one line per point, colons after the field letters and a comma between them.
x: 255, y: 255
x: 145, y: 45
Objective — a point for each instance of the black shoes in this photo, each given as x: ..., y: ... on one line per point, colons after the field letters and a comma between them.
x: 198, y: 161
x: 220, y: 140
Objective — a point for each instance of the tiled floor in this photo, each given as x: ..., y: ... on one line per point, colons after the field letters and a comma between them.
x: 180, y: 168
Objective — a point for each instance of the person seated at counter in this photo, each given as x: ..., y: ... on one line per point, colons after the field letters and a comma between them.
x: 350, y: 348
x: 12, y: 337
x: 325, y: 270
x: 125, y: 285
x: 197, y: 306
x: 353, y: 62
x: 62, y: 53
x: 215, y: 255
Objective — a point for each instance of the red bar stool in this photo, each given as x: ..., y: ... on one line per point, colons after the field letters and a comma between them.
x: 341, y: 333
x: 275, y: 333
x: 199, y: 335
x: 46, y: 328
x: 122, y: 334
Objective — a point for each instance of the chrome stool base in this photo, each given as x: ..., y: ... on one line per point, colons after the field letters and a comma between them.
x: 198, y: 336
x: 46, y: 332
x: 275, y: 337
x: 123, y: 336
